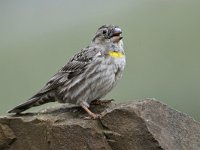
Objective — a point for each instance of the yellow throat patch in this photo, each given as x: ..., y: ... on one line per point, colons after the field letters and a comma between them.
x: 116, y: 54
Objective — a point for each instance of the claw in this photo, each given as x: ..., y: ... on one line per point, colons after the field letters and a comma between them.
x: 96, y: 116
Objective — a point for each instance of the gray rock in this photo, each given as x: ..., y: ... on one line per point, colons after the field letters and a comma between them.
x: 144, y: 125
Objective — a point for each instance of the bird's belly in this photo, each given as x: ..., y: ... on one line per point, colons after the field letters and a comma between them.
x: 95, y: 83
x: 102, y: 84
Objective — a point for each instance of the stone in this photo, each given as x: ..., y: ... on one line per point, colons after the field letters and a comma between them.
x: 144, y: 125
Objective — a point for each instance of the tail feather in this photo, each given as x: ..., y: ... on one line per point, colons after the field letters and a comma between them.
x: 24, y: 106
x: 30, y: 103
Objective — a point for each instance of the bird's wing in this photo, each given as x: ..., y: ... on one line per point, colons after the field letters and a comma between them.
x: 74, y: 67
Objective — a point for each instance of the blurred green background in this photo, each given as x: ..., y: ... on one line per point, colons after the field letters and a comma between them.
x: 161, y: 38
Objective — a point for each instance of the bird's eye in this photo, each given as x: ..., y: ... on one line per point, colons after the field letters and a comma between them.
x: 104, y: 31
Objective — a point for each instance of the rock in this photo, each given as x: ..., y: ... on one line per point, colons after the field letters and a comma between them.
x: 6, y: 136
x: 143, y: 125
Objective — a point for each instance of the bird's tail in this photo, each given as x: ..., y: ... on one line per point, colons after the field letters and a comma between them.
x: 28, y: 104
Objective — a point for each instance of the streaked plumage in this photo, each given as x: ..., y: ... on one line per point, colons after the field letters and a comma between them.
x: 88, y: 76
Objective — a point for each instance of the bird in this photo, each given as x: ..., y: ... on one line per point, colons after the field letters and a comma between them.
x: 88, y: 76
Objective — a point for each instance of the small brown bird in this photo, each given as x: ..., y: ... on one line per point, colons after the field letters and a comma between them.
x: 88, y: 76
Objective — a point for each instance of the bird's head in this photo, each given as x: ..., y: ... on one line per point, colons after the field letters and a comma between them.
x: 108, y: 33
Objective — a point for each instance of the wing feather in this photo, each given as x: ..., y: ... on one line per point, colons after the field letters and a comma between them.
x: 74, y: 67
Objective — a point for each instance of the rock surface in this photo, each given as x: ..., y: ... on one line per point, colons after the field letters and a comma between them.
x: 143, y: 125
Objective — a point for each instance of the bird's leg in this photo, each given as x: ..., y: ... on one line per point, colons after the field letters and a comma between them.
x: 101, y: 102
x: 91, y: 114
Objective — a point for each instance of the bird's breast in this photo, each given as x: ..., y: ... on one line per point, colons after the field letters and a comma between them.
x: 116, y: 62
x: 117, y: 58
x: 116, y: 54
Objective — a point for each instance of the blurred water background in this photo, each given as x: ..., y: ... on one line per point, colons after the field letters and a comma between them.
x: 161, y: 38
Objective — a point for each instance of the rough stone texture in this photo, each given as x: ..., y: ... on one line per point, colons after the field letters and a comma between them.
x: 144, y: 125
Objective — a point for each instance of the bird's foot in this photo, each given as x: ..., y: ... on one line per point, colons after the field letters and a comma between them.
x: 93, y: 117
x: 101, y: 102
x: 90, y: 113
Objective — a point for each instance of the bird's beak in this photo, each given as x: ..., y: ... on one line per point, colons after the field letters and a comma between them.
x: 116, y: 36
x: 117, y: 31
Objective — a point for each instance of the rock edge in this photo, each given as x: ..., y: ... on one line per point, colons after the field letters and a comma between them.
x: 144, y: 125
